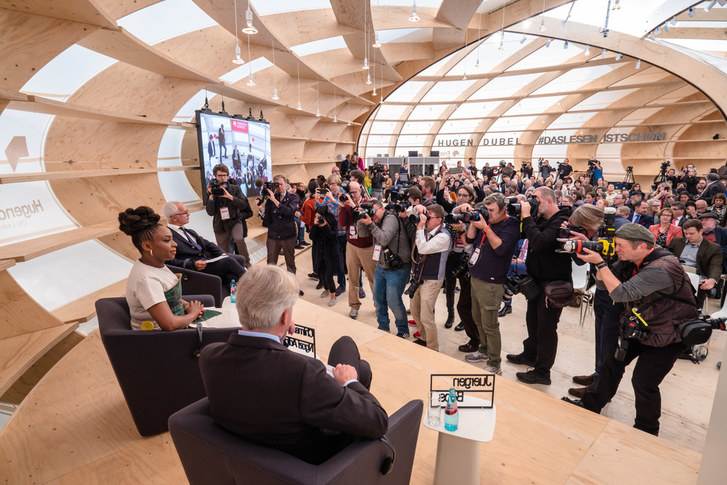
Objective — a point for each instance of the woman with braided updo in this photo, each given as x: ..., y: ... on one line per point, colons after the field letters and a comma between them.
x: 153, y: 292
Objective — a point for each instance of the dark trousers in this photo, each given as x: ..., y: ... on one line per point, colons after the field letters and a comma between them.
x: 228, y: 269
x: 341, y: 260
x: 653, y: 365
x: 288, y: 246
x: 226, y: 235
x: 607, y: 327
x: 450, y: 281
x: 542, y: 342
x: 345, y: 351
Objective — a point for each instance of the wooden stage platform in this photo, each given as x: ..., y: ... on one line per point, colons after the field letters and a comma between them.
x: 74, y: 426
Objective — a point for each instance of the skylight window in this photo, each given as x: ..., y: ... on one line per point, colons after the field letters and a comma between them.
x: 554, y: 55
x: 574, y: 79
x: 243, y: 71
x: 602, y: 100
x: 448, y: 90
x: 505, y: 86
x: 271, y: 7
x: 406, y: 92
x: 317, y: 46
x: 66, y: 73
x: 488, y: 54
x: 414, y: 127
x: 165, y: 20
x: 536, y: 105
x: 428, y: 112
x: 474, y: 110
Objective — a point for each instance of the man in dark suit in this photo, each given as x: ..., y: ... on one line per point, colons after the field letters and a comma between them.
x: 641, y: 215
x: 274, y: 397
x: 229, y: 209
x: 194, y: 251
x: 696, y: 252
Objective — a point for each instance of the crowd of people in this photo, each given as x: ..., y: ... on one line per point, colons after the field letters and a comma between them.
x: 490, y: 232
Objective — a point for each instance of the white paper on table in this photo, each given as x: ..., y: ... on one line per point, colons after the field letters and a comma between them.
x: 208, y: 261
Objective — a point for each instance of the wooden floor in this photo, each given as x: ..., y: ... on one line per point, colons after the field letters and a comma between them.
x: 74, y: 426
x: 687, y: 392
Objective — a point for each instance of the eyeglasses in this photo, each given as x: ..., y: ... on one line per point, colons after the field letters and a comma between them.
x: 463, y: 194
x: 185, y: 213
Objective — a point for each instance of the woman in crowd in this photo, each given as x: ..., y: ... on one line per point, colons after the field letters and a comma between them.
x: 153, y: 292
x: 323, y: 235
x: 665, y: 231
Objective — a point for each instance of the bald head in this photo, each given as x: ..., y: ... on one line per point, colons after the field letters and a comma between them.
x: 354, y: 189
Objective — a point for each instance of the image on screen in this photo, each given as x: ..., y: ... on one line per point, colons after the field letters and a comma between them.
x: 242, y: 145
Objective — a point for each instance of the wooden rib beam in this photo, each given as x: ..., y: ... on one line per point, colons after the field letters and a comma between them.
x: 14, y: 178
x: 81, y: 11
x: 32, y: 248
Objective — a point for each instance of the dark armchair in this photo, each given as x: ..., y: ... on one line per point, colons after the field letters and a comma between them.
x: 157, y: 371
x: 211, y: 455
x: 199, y: 283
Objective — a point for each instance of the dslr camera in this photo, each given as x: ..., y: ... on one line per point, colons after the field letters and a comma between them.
x: 514, y: 207
x: 466, y: 217
x: 398, y: 201
x: 217, y: 188
x: 365, y: 209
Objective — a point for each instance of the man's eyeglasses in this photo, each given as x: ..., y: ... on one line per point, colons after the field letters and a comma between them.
x: 185, y: 213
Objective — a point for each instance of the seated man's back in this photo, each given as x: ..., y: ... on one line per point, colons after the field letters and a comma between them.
x: 272, y: 396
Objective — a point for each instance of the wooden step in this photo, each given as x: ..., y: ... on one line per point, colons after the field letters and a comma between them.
x: 18, y: 353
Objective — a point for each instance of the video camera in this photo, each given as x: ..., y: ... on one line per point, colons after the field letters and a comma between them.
x: 514, y: 207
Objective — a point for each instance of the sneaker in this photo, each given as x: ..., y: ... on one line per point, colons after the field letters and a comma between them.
x: 520, y: 359
x: 421, y: 342
x: 313, y: 276
x: 450, y: 321
x: 532, y: 377
x: 403, y: 335
x: 353, y: 313
x: 325, y: 294
x: 475, y: 357
x: 491, y: 369
x: 340, y: 290
x: 459, y: 327
x: 505, y: 310
x: 300, y: 293
x: 469, y: 347
x: 417, y: 334
x: 332, y: 302
x: 412, y: 323
x: 575, y: 402
x: 361, y: 294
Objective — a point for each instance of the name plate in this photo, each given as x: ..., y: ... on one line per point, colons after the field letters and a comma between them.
x: 303, y: 341
x: 473, y: 390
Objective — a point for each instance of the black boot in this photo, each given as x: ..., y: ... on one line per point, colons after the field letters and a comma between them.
x: 450, y: 320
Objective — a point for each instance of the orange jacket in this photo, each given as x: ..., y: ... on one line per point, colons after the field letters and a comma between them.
x: 309, y: 212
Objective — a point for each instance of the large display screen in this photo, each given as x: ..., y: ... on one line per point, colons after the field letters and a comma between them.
x: 242, y: 145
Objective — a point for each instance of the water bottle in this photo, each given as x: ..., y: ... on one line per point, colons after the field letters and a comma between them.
x: 451, y: 415
x: 233, y: 291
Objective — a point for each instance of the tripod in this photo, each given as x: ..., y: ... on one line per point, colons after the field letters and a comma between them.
x: 659, y: 179
x: 629, y: 178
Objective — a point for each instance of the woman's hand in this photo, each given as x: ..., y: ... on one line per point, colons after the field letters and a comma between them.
x: 195, y: 307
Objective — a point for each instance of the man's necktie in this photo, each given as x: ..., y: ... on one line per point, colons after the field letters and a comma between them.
x: 190, y: 239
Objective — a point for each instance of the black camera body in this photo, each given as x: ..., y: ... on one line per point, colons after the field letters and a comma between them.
x: 217, y: 189
x: 466, y: 217
x: 514, y: 207
x: 362, y: 211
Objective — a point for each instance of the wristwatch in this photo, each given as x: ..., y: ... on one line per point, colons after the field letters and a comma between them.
x: 601, y: 265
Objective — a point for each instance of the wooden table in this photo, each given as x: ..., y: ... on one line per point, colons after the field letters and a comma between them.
x: 74, y: 426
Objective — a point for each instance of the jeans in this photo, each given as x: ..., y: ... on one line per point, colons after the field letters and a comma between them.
x: 607, y: 327
x: 228, y: 235
x: 389, y: 285
x: 301, y: 231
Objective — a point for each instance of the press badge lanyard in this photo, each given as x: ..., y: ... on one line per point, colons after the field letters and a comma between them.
x: 476, y: 253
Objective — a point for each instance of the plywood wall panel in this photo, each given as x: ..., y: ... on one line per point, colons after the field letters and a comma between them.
x: 28, y: 42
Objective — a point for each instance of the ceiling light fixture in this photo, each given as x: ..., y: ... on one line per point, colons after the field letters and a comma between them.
x: 365, y: 66
x: 318, y: 99
x: 565, y: 44
x: 603, y: 53
x: 249, y: 28
x: 690, y: 11
x: 238, y: 53
x: 666, y: 27
x: 524, y: 39
x: 604, y: 30
x: 673, y: 21
x: 250, y: 72
x: 638, y: 64
x: 547, y: 43
x: 373, y: 93
x: 413, y: 16
x: 376, y: 44
x: 616, y: 5
x: 588, y: 50
x: 619, y: 56
x: 368, y: 78
x: 542, y: 19
x: 275, y: 96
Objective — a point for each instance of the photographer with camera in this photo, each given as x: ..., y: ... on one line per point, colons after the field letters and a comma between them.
x: 331, y: 196
x: 392, y: 253
x: 590, y: 224
x: 229, y: 209
x: 377, y: 181
x: 564, y: 169
x: 280, y: 208
x: 323, y: 233
x: 548, y: 269
x: 359, y: 245
x: 494, y: 237
x: 658, y: 297
x: 429, y: 257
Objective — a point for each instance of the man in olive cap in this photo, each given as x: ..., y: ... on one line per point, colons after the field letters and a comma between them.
x: 657, y: 295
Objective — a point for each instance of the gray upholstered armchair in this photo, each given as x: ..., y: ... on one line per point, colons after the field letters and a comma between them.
x: 212, y: 456
x: 157, y: 371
